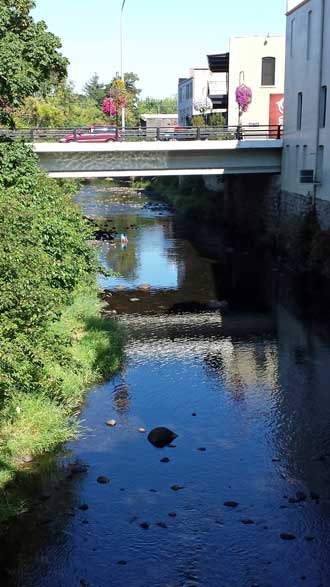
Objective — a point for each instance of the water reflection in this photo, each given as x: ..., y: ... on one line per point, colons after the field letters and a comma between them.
x: 256, y: 380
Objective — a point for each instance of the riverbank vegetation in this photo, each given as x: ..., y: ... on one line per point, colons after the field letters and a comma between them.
x: 189, y: 196
x: 54, y: 344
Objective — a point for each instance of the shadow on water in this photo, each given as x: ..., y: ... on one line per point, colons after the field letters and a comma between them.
x: 245, y: 387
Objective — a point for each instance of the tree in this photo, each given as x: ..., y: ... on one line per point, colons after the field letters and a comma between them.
x: 158, y: 105
x: 95, y: 89
x: 30, y: 61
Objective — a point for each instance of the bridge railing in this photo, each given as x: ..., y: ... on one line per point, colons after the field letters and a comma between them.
x: 129, y: 134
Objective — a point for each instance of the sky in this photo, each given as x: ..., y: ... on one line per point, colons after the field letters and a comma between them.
x: 162, y: 39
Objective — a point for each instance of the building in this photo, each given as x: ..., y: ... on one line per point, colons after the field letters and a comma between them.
x: 158, y: 120
x: 306, y: 150
x: 257, y: 61
x: 195, y: 92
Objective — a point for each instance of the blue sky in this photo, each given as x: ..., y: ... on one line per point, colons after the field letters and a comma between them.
x: 162, y: 38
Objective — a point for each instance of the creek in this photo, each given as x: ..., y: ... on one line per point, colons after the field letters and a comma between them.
x: 246, y: 389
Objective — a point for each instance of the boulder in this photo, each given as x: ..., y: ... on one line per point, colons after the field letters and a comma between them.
x: 161, y: 436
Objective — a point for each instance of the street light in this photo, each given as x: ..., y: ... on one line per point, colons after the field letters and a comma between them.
x: 121, y: 59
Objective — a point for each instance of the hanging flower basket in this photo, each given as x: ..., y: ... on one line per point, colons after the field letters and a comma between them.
x: 243, y: 97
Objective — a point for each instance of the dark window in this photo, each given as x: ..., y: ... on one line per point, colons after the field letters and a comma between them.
x: 309, y: 31
x: 268, y: 71
x: 299, y: 110
x: 323, y: 106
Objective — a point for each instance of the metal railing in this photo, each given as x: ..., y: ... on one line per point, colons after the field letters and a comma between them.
x: 84, y: 134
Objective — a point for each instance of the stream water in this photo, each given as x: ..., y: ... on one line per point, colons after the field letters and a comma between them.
x: 246, y: 389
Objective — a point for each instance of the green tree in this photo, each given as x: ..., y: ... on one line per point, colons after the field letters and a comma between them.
x: 158, y: 106
x: 95, y: 89
x: 30, y: 61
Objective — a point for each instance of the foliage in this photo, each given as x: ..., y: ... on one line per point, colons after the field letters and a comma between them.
x: 62, y: 108
x: 198, y: 120
x: 95, y: 90
x: 53, y: 342
x: 216, y: 119
x: 30, y: 61
x: 117, y: 99
x: 186, y: 196
x: 243, y: 96
x: 158, y: 106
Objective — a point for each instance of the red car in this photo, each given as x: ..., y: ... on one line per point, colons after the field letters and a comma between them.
x: 92, y: 134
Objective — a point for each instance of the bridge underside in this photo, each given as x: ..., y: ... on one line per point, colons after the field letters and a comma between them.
x: 86, y: 160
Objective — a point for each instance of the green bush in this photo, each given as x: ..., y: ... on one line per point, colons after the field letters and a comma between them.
x: 53, y: 342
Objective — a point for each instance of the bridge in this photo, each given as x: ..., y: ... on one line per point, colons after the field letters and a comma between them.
x: 162, y: 152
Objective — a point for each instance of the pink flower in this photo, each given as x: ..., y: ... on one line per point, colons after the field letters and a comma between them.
x: 243, y: 97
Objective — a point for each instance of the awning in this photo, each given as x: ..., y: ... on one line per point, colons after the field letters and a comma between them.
x: 219, y: 63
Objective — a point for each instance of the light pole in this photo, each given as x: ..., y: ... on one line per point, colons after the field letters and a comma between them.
x: 121, y: 60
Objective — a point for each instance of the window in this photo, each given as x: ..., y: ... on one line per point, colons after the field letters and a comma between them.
x: 309, y: 30
x: 268, y: 71
x: 319, y: 163
x: 323, y: 106
x: 299, y: 110
x: 297, y: 162
x: 291, y: 37
x: 304, y: 158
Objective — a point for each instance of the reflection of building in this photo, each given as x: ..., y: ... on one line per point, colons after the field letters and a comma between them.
x: 307, y: 122
x: 257, y: 61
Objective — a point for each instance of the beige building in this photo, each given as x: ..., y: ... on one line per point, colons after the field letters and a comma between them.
x: 258, y: 62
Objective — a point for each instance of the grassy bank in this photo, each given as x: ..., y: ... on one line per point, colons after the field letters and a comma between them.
x: 54, y: 344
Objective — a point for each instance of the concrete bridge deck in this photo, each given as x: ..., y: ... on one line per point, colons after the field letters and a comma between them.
x: 144, y: 158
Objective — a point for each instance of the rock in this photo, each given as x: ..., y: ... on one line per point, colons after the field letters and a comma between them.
x: 231, y: 504
x: 309, y: 538
x: 165, y: 460
x: 84, y: 582
x: 120, y: 287
x: 301, y: 496
x: 83, y: 507
x: 144, y: 525
x: 176, y: 487
x: 218, y: 305
x: 121, y: 562
x: 314, y: 495
x: 27, y: 459
x: 276, y: 460
x: 103, y: 480
x: 194, y: 414
x: 161, y: 524
x: 153, y: 490
x: 143, y: 286
x: 134, y: 299
x: 202, y: 449
x: 172, y: 514
x: 287, y: 536
x: 142, y: 430
x: 247, y: 521
x: 77, y: 469
x: 161, y: 436
x: 111, y: 423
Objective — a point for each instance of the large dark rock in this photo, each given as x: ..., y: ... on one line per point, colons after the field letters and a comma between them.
x: 161, y: 436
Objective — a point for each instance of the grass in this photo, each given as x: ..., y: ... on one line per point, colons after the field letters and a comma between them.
x: 31, y: 423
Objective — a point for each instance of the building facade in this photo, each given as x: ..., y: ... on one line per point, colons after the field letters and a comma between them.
x: 258, y: 62
x: 195, y: 92
x: 306, y: 150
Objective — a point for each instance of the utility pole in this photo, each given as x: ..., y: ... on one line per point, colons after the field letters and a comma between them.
x: 121, y: 60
